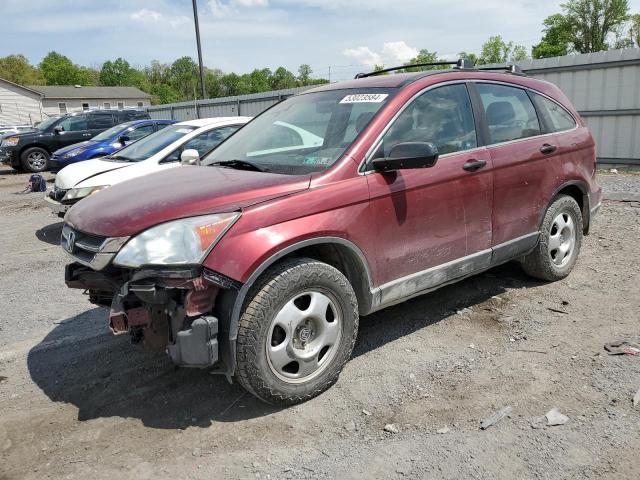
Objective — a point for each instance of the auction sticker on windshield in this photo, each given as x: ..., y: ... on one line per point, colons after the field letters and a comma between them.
x: 365, y: 98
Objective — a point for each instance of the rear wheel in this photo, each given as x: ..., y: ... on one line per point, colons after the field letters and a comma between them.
x: 35, y: 159
x: 560, y: 239
x: 296, y: 332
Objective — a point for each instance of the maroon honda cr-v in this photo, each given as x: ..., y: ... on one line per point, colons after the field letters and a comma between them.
x: 333, y: 204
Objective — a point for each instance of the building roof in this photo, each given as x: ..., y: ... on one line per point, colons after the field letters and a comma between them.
x: 29, y: 89
x: 70, y: 91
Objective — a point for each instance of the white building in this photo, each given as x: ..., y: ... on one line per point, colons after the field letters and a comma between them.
x: 21, y: 105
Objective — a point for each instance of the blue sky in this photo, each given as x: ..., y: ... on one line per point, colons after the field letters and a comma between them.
x: 240, y: 35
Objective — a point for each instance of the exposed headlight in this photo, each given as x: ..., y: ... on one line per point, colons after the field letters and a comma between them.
x: 185, y: 241
x: 74, y: 152
x: 10, y: 141
x: 76, y: 193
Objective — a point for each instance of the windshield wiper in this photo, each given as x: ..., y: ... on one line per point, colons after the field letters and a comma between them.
x: 120, y: 157
x: 240, y: 165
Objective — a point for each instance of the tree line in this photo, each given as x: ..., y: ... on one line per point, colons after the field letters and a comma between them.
x: 583, y: 26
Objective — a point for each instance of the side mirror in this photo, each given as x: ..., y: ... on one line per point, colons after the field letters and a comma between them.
x: 58, y: 130
x: 408, y: 155
x: 190, y: 157
x: 123, y: 139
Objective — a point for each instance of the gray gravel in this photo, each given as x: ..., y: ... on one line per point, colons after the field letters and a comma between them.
x: 77, y: 402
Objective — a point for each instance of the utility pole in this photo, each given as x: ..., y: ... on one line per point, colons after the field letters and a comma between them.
x: 195, y: 19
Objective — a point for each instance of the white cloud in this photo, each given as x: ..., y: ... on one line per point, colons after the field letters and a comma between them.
x: 228, y: 8
x: 153, y: 17
x: 393, y: 53
x: 364, y: 55
x: 398, y: 52
x: 146, y: 15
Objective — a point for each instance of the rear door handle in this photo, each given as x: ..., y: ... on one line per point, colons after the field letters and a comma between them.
x: 474, y: 165
x: 547, y: 148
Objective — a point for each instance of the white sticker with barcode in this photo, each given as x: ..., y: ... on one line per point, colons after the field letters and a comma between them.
x: 365, y: 98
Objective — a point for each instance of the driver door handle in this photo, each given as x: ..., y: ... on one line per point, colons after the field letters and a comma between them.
x: 547, y: 148
x: 474, y: 165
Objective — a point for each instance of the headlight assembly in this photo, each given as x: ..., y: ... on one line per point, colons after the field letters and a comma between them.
x: 179, y: 242
x: 73, y: 153
x: 77, y: 193
x: 10, y: 141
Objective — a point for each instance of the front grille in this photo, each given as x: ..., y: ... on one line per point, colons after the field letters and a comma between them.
x: 57, y: 194
x: 91, y: 250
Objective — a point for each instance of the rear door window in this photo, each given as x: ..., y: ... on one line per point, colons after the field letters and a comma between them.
x: 509, y: 112
x: 558, y: 118
x: 101, y: 121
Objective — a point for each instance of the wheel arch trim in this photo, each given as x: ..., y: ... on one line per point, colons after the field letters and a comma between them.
x: 271, y: 260
x: 586, y: 202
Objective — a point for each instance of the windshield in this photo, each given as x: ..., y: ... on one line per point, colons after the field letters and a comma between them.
x: 45, y: 124
x: 107, y: 134
x: 150, y: 145
x: 306, y: 133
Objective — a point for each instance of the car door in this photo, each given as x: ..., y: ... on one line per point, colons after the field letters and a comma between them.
x: 432, y: 224
x: 73, y: 129
x: 520, y: 152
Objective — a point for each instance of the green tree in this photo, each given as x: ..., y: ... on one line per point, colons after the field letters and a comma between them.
x: 557, y: 39
x: 17, y: 69
x: 593, y: 22
x: 425, y: 56
x: 634, y: 29
x: 496, y: 50
x: 304, y: 74
x: 184, y: 77
x: 60, y: 70
x: 259, y: 80
x: 118, y: 73
x: 282, y: 78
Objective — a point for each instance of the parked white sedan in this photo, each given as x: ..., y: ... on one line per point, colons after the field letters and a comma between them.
x: 155, y: 152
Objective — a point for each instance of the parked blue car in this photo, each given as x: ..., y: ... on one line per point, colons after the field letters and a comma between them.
x: 106, y: 142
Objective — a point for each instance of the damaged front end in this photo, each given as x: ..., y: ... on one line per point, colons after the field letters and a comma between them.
x: 172, y: 309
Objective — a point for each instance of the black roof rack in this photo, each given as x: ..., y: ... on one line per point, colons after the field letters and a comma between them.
x: 461, y: 64
x: 515, y: 69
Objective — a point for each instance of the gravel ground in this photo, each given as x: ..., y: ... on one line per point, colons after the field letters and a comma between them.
x: 77, y: 402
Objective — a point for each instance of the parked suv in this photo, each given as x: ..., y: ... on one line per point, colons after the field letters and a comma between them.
x: 106, y: 143
x: 31, y: 151
x: 259, y: 264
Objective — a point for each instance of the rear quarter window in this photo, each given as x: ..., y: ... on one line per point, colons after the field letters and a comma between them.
x: 558, y: 118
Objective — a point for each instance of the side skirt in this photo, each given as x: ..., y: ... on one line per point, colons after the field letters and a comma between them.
x: 402, y: 289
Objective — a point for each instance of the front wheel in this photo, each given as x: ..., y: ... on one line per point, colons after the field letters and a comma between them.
x: 35, y: 159
x: 560, y: 239
x: 296, y: 332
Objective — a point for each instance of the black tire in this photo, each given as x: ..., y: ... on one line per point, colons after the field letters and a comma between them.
x: 287, y: 282
x: 541, y: 262
x: 35, y: 159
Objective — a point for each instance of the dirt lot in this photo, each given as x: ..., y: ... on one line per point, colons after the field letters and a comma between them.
x: 76, y: 402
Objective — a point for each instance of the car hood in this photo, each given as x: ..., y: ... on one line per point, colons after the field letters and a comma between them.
x: 131, y: 207
x: 132, y: 170
x: 85, y: 144
x: 73, y: 174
